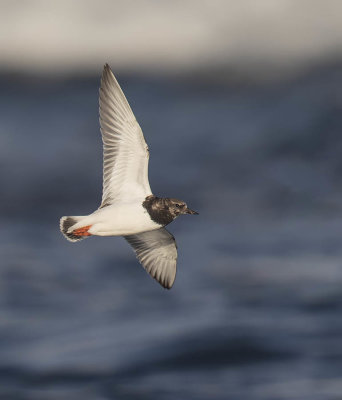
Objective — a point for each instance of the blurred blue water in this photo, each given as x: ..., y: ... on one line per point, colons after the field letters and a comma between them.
x: 255, y: 310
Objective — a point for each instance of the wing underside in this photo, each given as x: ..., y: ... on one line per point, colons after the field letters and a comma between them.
x: 125, y: 152
x: 157, y: 252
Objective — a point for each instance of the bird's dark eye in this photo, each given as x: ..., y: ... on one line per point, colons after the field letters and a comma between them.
x: 177, y: 205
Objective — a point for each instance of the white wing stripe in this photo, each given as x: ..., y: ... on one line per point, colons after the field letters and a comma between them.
x: 125, y: 155
x: 111, y: 103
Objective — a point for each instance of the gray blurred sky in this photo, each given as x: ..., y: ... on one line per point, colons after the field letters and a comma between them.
x: 168, y: 36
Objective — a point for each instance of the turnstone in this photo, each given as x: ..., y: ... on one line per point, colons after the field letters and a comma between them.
x: 128, y: 207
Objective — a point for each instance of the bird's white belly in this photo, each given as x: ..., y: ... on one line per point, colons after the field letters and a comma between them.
x: 121, y: 220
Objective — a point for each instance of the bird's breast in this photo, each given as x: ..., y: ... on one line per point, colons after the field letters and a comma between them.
x: 122, y: 220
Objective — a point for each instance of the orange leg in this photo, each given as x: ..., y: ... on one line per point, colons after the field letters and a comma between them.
x: 82, y: 231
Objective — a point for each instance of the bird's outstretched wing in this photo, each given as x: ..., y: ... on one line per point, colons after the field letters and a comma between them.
x: 157, y: 252
x: 125, y: 152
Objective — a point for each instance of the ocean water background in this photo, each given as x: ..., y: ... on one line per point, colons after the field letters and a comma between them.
x: 255, y: 310
x: 240, y: 104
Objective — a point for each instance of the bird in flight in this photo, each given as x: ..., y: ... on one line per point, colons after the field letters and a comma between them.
x: 128, y: 207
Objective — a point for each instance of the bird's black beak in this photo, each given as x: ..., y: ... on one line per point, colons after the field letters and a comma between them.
x: 188, y: 211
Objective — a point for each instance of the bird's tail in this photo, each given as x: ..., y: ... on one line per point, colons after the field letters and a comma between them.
x: 73, y: 235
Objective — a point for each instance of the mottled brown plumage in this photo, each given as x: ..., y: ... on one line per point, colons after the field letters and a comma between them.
x: 163, y: 210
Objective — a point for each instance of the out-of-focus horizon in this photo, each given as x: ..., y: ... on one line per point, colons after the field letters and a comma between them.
x: 265, y: 39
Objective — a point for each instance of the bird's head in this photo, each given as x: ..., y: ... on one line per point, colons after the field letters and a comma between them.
x: 178, y: 207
